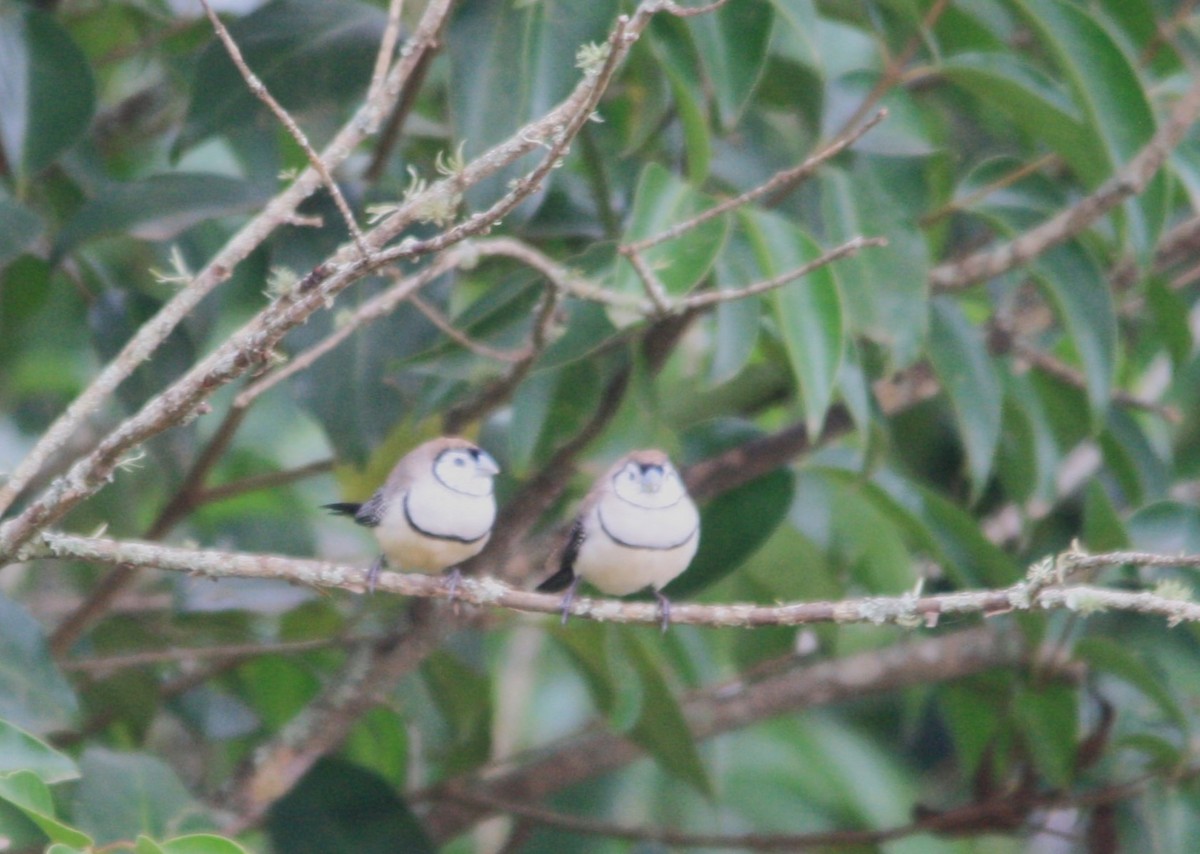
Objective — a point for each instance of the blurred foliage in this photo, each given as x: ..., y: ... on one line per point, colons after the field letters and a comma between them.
x: 129, y: 144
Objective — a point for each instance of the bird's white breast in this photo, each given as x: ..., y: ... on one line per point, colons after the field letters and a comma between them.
x: 443, y: 520
x: 628, y: 548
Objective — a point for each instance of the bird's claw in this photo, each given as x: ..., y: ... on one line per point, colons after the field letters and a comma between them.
x: 664, y: 608
x: 373, y: 574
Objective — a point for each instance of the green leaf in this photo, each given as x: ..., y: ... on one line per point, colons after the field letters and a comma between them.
x: 201, y: 843
x: 308, y: 53
x: 662, y: 729
x: 884, y: 290
x: 661, y: 201
x: 725, y: 538
x: 46, y: 89
x: 584, y: 643
x: 1106, y: 86
x: 1130, y: 666
x: 25, y: 791
x: 146, y: 845
x: 1079, y: 290
x: 21, y: 751
x: 123, y: 795
x: 737, y: 321
x: 340, y: 807
x: 33, y: 693
x: 1166, y: 527
x: 1049, y: 721
x: 669, y: 39
x: 732, y: 44
x: 1034, y: 103
x: 463, y: 696
x: 510, y: 63
x: 157, y: 208
x: 962, y: 363
x: 808, y: 310
x: 19, y: 228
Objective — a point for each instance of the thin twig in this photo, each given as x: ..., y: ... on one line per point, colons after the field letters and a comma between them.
x: 380, y: 305
x: 787, y: 177
x: 1009, y: 811
x: 267, y: 480
x: 1063, y: 372
x: 151, y: 334
x: 110, y: 663
x: 387, y: 48
x: 260, y: 91
x: 593, y: 750
x: 462, y: 339
x: 1129, y: 181
x: 1007, y: 180
x: 650, y: 281
x: 711, y: 298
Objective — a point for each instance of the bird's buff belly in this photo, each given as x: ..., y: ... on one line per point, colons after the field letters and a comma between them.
x: 619, y: 571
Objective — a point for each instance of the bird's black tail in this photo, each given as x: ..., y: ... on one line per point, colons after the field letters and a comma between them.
x: 344, y: 508
x: 561, y: 580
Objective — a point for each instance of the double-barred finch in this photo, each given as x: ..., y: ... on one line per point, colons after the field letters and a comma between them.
x: 434, y: 511
x: 636, y: 528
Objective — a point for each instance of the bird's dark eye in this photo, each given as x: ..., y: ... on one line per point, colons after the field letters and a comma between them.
x: 460, y: 462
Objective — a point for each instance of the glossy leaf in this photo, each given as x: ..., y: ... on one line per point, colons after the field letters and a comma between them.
x: 338, y: 806
x: 122, y: 795
x: 1076, y: 285
x: 510, y: 64
x: 33, y: 693
x: 732, y: 45
x: 884, y: 289
x: 661, y: 729
x: 157, y: 208
x: 1106, y: 86
x: 307, y: 53
x: 728, y: 536
x: 661, y: 201
x: 1048, y: 718
x: 26, y: 791
x: 1034, y: 103
x: 1166, y: 527
x: 969, y: 379
x: 808, y: 311
x: 1109, y: 656
x: 201, y: 843
x: 22, y: 751
x: 47, y: 94
x: 19, y: 228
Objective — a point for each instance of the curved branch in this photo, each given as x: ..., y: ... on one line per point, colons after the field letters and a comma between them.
x: 1128, y: 181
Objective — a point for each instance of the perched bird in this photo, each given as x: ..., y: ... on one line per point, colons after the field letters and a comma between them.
x: 435, y: 510
x: 636, y: 528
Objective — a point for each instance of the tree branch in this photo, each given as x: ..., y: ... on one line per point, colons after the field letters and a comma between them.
x: 1128, y: 181
x: 597, y: 750
x: 279, y: 210
x: 1043, y: 589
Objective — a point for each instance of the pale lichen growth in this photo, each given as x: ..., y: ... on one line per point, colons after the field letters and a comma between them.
x: 1019, y: 598
x: 590, y: 57
x: 1172, y: 588
x: 490, y: 590
x: 1044, y: 572
x: 280, y: 282
x: 179, y: 274
x: 1083, y: 602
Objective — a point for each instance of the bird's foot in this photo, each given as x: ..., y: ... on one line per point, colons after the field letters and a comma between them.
x: 568, y: 598
x: 664, y: 608
x: 453, y: 580
x: 373, y: 573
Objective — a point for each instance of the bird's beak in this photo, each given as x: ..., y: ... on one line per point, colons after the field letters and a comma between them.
x: 652, y: 478
x: 486, y: 465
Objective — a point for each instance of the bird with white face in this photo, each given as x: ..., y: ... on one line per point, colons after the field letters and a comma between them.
x: 636, y: 528
x: 434, y: 511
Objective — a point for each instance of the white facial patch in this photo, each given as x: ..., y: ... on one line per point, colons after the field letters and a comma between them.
x: 465, y: 471
x: 652, y: 487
